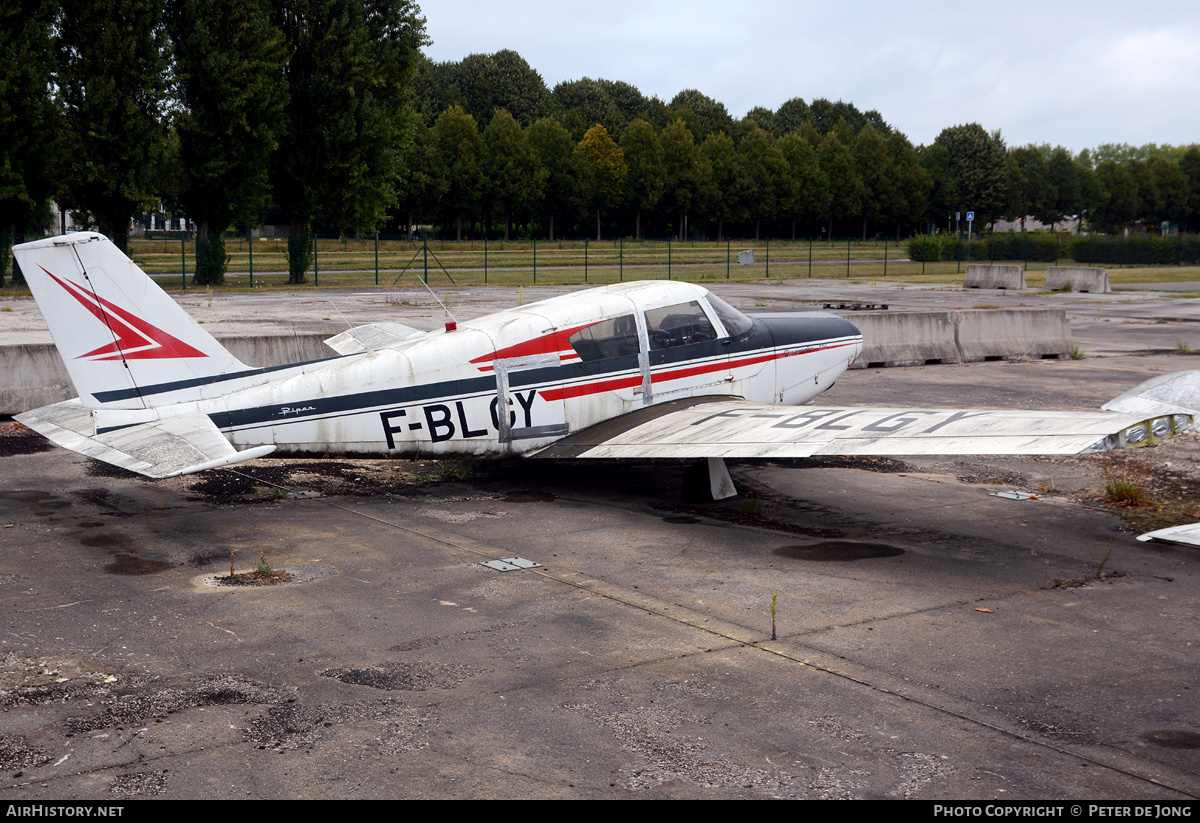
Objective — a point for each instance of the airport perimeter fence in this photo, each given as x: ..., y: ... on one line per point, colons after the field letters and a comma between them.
x: 400, y: 262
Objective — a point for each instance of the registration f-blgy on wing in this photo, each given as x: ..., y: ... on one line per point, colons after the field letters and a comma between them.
x: 648, y: 369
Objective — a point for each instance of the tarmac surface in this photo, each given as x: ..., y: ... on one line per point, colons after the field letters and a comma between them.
x: 933, y: 640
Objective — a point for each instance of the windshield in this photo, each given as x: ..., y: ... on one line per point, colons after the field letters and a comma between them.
x: 735, y: 322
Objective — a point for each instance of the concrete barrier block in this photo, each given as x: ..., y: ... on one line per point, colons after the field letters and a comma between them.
x: 35, y: 375
x: 1078, y: 278
x: 982, y: 276
x: 1012, y: 334
x: 905, y: 338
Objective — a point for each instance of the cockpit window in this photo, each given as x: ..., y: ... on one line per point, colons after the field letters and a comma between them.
x: 735, y: 322
x: 607, y: 339
x: 678, y: 325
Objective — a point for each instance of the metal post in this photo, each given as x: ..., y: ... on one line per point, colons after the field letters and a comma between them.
x: 885, y: 257
x: 250, y: 246
x: 668, y: 258
x: 847, y: 256
x: 376, y: 258
x: 810, y: 257
x: 768, y: 258
x: 1057, y: 240
x: 183, y: 258
x: 535, y: 261
x: 316, y: 264
x: 485, y: 258
x: 425, y: 248
x: 621, y: 258
x: 1026, y: 252
x: 726, y: 258
x: 958, y: 254
x: 924, y: 252
x: 585, y: 255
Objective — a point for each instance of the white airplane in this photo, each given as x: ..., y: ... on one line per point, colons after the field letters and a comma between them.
x: 639, y: 370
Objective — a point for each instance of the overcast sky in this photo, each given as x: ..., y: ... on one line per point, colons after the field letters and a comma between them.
x: 1070, y: 73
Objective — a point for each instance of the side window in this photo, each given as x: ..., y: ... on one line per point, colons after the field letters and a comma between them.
x: 607, y: 339
x: 678, y: 325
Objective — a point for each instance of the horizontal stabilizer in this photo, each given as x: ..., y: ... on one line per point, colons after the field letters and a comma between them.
x: 721, y: 427
x: 372, y: 336
x: 160, y: 448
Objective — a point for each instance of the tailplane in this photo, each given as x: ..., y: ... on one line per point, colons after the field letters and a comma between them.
x: 116, y: 330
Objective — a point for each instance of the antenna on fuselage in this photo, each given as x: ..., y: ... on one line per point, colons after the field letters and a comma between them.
x: 453, y: 324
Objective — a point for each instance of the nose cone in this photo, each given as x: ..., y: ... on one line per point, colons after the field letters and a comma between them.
x: 791, y: 328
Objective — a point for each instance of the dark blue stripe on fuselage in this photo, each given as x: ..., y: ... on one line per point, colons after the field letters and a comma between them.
x: 766, y: 333
x: 207, y: 380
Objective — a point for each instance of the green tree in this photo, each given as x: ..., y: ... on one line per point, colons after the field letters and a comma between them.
x: 513, y: 178
x: 764, y: 118
x: 686, y: 176
x: 27, y: 119
x: 910, y: 185
x: 846, y: 190
x: 1168, y: 201
x: 725, y: 172
x: 791, y: 116
x: 975, y: 165
x: 229, y: 57
x: 554, y: 152
x: 709, y: 114
x: 585, y: 103
x: 808, y: 190
x: 1027, y: 188
x: 643, y: 155
x: 346, y: 123
x: 459, y: 152
x: 630, y: 102
x: 504, y: 80
x: 1189, y: 164
x: 874, y: 167
x: 1064, y: 190
x: 605, y: 170
x: 418, y: 193
x: 764, y: 176
x: 112, y: 88
x: 1122, y: 202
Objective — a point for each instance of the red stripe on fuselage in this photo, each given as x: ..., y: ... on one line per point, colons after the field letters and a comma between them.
x: 556, y: 342
x: 584, y: 389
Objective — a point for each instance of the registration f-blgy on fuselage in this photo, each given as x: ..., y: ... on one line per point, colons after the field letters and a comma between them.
x: 648, y: 369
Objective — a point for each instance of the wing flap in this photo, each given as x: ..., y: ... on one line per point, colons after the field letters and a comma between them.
x: 160, y: 448
x: 719, y: 427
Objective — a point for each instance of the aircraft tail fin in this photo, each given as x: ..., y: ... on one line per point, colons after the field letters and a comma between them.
x: 116, y: 331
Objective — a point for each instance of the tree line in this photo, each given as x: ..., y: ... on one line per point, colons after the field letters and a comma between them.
x: 220, y: 110
x: 325, y: 115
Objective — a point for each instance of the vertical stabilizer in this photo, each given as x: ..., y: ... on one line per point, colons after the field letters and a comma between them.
x: 115, y: 329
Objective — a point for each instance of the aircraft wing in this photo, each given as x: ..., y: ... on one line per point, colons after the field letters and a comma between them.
x: 160, y: 448
x: 713, y: 427
x: 1188, y: 535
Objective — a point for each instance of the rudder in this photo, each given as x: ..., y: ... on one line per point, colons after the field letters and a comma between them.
x: 109, y: 321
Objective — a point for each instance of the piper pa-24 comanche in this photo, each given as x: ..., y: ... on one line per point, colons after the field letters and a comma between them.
x: 636, y: 370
